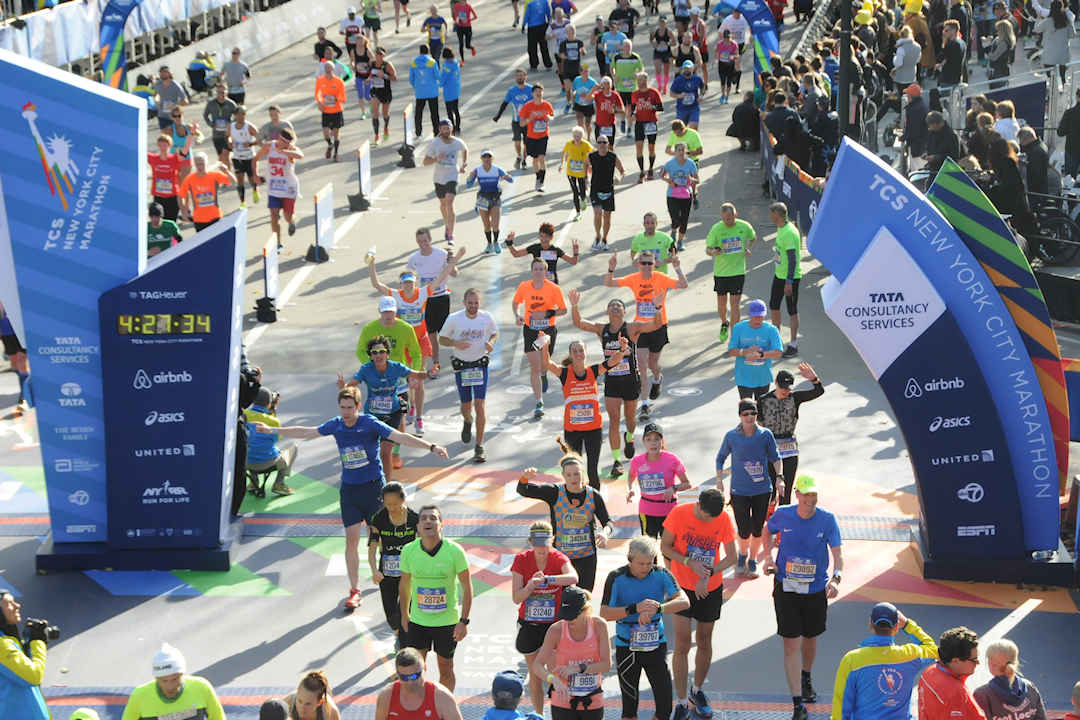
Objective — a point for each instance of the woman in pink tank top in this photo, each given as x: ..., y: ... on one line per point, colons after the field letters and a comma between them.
x: 575, y: 655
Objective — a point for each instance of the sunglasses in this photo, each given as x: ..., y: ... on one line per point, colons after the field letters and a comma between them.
x: 645, y: 263
x: 379, y: 352
x: 410, y: 677
x: 748, y: 413
x: 178, y: 116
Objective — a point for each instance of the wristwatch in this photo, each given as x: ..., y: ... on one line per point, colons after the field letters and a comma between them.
x: 836, y: 577
x: 431, y: 447
x: 464, y: 621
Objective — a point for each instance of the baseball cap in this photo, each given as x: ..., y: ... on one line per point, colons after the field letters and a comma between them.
x: 486, y: 152
x: 806, y: 484
x: 757, y: 307
x: 156, y: 210
x: 884, y: 614
x: 351, y: 11
x: 784, y: 379
x: 913, y: 90
x: 85, y: 714
x: 445, y: 121
x: 168, y: 661
x: 387, y: 304
x: 507, y: 685
x: 695, y: 11
x: 573, y: 602
x: 688, y: 63
x: 653, y: 428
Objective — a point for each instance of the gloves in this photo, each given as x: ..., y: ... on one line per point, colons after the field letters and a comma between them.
x: 36, y: 631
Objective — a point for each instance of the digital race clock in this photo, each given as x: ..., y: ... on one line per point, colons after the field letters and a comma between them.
x: 163, y: 324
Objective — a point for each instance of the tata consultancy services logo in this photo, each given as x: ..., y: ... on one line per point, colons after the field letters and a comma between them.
x: 55, y: 154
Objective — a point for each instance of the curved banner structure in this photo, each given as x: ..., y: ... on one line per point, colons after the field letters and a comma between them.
x: 112, y: 59
x: 981, y: 228
x: 934, y: 331
x: 764, y: 33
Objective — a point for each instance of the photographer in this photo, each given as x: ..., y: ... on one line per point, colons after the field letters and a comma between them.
x: 250, y: 383
x: 22, y: 666
x: 263, y: 453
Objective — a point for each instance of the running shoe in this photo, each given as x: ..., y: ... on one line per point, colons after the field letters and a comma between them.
x: 799, y: 713
x: 540, y: 188
x: 292, y: 228
x: 473, y: 51
x: 654, y: 389
x: 488, y: 250
x: 329, y: 151
x: 539, y: 411
x: 478, y: 454
x: 395, y: 462
x: 577, y: 216
x: 397, y: 31
x: 254, y: 196
x: 408, y: 21
x: 353, y: 601
x: 740, y: 564
x: 751, y: 569
x: 640, y: 178
x: 682, y: 712
x: 375, y: 142
x: 643, y: 412
x: 808, y: 693
x: 410, y: 416
x: 386, y: 135
x: 280, y: 488
x: 243, y: 203
x: 419, y: 429
x: 543, y: 383
x: 724, y: 332
x: 701, y: 704
x: 616, y: 469
x: 596, y: 242
x: 681, y: 246
x: 790, y: 351
x: 628, y: 438
x: 466, y: 432
x: 498, y: 247
x: 603, y: 246
x: 650, y: 175
x: 449, y: 239
x: 514, y: 24
x: 566, y: 109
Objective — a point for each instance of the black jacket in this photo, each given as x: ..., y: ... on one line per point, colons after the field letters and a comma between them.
x: 1069, y: 128
x: 943, y: 144
x: 744, y: 121
x: 952, y: 69
x: 915, y: 130
x: 1038, y: 168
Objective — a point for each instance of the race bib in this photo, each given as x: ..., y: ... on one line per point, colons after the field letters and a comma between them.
x: 540, y: 126
x: 549, y: 255
x: 433, y: 32
x: 281, y: 185
x: 582, y: 684
x: 581, y: 413
x: 646, y: 308
x: 652, y: 483
x: 540, y: 608
x: 411, y: 315
x: 163, y: 186
x: 755, y: 469
x: 539, y: 320
x: 755, y: 361
x: 431, y: 600
x: 705, y: 556
x: 391, y: 565
x: 204, y: 198
x: 577, y: 166
x: 650, y: 128
x: 382, y: 404
x: 353, y: 458
x: 472, y: 377
x: 221, y: 124
x: 688, y: 98
x: 462, y: 17
x: 623, y: 368
x: 731, y: 245
x: 572, y: 53
x: 787, y: 447
x: 483, y: 203
x: 795, y: 586
x: 645, y: 638
x: 574, y: 540
x: 802, y: 570
x: 609, y: 131
x: 330, y: 100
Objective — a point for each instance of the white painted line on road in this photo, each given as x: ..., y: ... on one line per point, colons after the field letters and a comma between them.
x: 335, y: 567
x: 1000, y: 630
x: 8, y: 489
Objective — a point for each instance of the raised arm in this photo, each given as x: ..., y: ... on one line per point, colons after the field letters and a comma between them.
x: 373, y: 275
x: 575, y: 315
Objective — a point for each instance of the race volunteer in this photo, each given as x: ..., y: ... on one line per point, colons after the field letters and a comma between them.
x: 411, y: 697
x: 806, y: 535
x: 358, y: 436
x: 788, y: 273
x: 538, y: 576
x: 583, y: 424
x: 427, y: 263
x: 875, y: 681
x: 601, y: 165
x: 655, y: 470
x: 693, y: 537
x: 172, y: 692
x: 544, y: 250
x: 645, y: 103
x: 22, y: 666
x: 575, y: 508
x: 650, y: 292
x: 622, y: 386
x: 472, y: 333
x: 390, y: 529
x: 199, y: 192
x: 161, y: 234
x: 751, y: 449
x: 779, y: 412
x: 636, y: 596
x: 263, y: 453
x: 431, y: 568
x: 165, y: 166
x: 536, y: 118
x: 537, y: 302
x: 754, y: 344
x: 489, y: 197
x: 330, y: 96
x: 575, y: 154
x: 729, y: 243
x: 443, y: 154
x: 519, y: 94
x: 282, y: 186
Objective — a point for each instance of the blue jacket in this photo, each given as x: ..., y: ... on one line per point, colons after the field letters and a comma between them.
x: 450, y: 79
x: 537, y: 12
x: 21, y: 678
x: 424, y: 76
x: 262, y: 447
x: 875, y: 681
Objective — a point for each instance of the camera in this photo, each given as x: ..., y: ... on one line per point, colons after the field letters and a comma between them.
x: 51, y: 632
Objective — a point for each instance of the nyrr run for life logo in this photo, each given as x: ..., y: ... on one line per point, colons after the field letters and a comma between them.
x: 61, y: 172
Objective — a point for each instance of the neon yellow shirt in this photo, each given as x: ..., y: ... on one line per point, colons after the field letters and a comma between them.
x: 196, y: 701
x: 575, y: 157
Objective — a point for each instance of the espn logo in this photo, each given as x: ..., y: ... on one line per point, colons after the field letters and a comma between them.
x: 976, y: 530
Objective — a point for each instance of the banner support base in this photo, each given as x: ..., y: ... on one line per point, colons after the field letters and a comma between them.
x: 1059, y: 572
x: 407, y: 160
x: 317, y: 253
x: 358, y: 203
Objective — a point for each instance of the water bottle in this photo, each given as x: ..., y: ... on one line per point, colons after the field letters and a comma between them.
x: 370, y: 256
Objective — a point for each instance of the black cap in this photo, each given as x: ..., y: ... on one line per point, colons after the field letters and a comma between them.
x: 273, y: 710
x: 573, y: 602
x: 156, y: 209
x: 653, y: 428
x: 784, y: 379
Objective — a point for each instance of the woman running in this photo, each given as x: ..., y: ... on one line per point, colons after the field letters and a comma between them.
x: 389, y: 530
x: 382, y: 74
x: 779, y: 413
x: 544, y: 250
x: 312, y: 700
x: 575, y: 154
x: 583, y: 105
x: 183, y: 137
x: 662, y: 41
x: 242, y: 137
x: 575, y: 508
x: 655, y: 470
x: 583, y: 424
x: 574, y: 657
x: 727, y: 54
x: 538, y: 576
x: 681, y: 174
x: 489, y: 197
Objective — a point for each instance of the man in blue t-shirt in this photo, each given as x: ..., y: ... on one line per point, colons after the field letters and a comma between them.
x: 636, y: 596
x: 754, y: 343
x: 519, y: 94
x: 806, y: 535
x: 358, y: 436
x: 686, y: 88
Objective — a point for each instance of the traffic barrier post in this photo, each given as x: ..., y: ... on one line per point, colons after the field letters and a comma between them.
x: 324, y: 225
x: 406, y: 150
x: 265, y: 310
x: 362, y: 200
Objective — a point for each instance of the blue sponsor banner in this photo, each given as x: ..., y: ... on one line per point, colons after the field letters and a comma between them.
x: 73, y: 186
x: 114, y: 60
x: 766, y: 36
x: 941, y: 342
x: 790, y: 184
x: 171, y: 346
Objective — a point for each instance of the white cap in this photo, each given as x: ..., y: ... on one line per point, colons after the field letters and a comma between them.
x: 695, y: 11
x: 351, y: 11
x: 168, y: 661
x: 387, y: 304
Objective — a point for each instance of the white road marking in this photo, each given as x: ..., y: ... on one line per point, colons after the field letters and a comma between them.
x: 1000, y: 630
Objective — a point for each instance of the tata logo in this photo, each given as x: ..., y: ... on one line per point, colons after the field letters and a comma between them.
x: 880, y: 297
x: 915, y: 389
x: 71, y: 389
x: 79, y: 497
x: 976, y: 531
x: 163, y: 418
x: 949, y: 423
x: 972, y: 492
x: 749, y: 6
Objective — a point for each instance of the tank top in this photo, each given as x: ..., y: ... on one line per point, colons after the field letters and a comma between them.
x: 363, y: 66
x: 662, y: 41
x: 575, y: 652
x: 610, y: 340
x: 489, y: 179
x: 281, y: 181
x: 320, y: 714
x: 681, y: 57
x: 241, y: 139
x: 426, y: 711
x: 574, y: 525
x: 178, y: 141
x: 411, y: 310
x: 581, y: 409
x: 378, y: 76
x: 701, y: 39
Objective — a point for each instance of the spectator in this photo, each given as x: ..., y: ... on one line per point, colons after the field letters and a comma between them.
x: 311, y: 700
x: 776, y: 119
x: 810, y: 93
x: 173, y: 691
x: 1069, y: 128
x: 1008, y: 695
x: 952, y: 67
x: 960, y: 12
x: 1056, y: 31
x: 827, y: 127
x: 424, y: 78
x: 915, y: 129
x: 979, y: 141
x: 1038, y: 163
x: 535, y: 21
x: 506, y: 690
x: 942, y: 693
x: 797, y: 143
x: 1007, y: 190
x: 859, y: 693
x: 745, y: 124
x: 906, y: 60
x: 921, y: 32
x: 1006, y: 124
x: 22, y: 667
x: 941, y: 141
x: 273, y: 710
x: 1000, y: 51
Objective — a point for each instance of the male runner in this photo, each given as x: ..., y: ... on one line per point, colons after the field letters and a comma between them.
x: 218, y: 113
x: 161, y: 234
x: 330, y: 96
x: 624, y: 18
x: 788, y: 273
x: 686, y: 88
x: 350, y: 27
x: 601, y: 166
x: 199, y: 192
x: 537, y: 302
x: 728, y: 244
x: 519, y: 94
x: 624, y: 68
x: 443, y: 154
x: 282, y: 187
x: 165, y: 166
x: 411, y: 696
x: 472, y: 334
x: 427, y: 263
x: 236, y: 74
x: 645, y: 103
x: 271, y: 130
x: 321, y: 43
x: 434, y: 27
x: 536, y: 118
x: 754, y: 344
x: 656, y: 241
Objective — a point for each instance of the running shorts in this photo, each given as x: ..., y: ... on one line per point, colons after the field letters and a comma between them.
x: 728, y: 285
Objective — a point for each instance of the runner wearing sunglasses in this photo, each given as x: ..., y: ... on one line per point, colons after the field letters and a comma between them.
x: 411, y: 696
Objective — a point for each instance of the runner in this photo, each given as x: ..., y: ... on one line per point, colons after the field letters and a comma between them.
x: 575, y: 508
x: 596, y: 42
x: 611, y: 41
x: 569, y: 53
x: 312, y: 699
x: 686, y: 50
x: 330, y: 96
x: 727, y: 55
x: 400, y: 5
x: 536, y: 118
x: 431, y: 568
x: 389, y: 530
x: 382, y: 74
x: 681, y: 10
x: 752, y: 449
x: 650, y: 291
x: 321, y: 43
x: 681, y: 133
x: 161, y: 234
x: 788, y: 273
x: 681, y: 174
x: 622, y: 385
x: 183, y: 136
x: 779, y: 413
x: 362, y: 71
x: 556, y: 35
x: 424, y: 78
x: 658, y: 242
x: 165, y: 166
x: 601, y: 165
x: 372, y: 24
x: 236, y: 74
x: 464, y: 14
x: 218, y: 115
x: 583, y: 104
x: 168, y: 96
x: 242, y: 136
x: 583, y: 425
x: 687, y: 88
x: 625, y: 17
x: 272, y: 130
x: 472, y: 333
x: 519, y: 94
x: 699, y: 33
x: 645, y: 103
x: 625, y: 67
x: 575, y: 656
x: 443, y: 152
x: 655, y: 471
x: 575, y: 154
x: 754, y: 344
x: 199, y: 192
x: 411, y: 696
x: 283, y: 187
x: 636, y: 596
x: 693, y: 537
x: 427, y: 263
x: 489, y: 197
x: 358, y: 436
x: 803, y: 586
x: 434, y: 27
x: 450, y: 82
x: 608, y: 103
x: 729, y: 243
x: 350, y: 28
x: 544, y: 250
x: 538, y: 576
x: 540, y: 302
x: 662, y: 40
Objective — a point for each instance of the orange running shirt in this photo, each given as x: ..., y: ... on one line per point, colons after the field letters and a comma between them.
x: 330, y: 94
x: 697, y: 540
x: 537, y: 128
x: 649, y: 295
x: 538, y: 302
x: 204, y: 191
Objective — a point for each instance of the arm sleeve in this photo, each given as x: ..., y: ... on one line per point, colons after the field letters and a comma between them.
x: 790, y: 265
x: 547, y: 493
x: 30, y: 670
